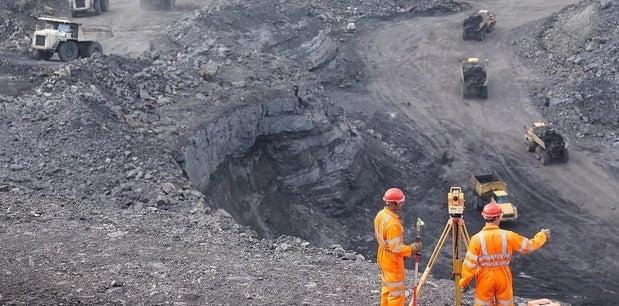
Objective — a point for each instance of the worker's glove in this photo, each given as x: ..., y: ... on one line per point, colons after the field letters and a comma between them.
x: 546, y: 232
x: 416, y: 247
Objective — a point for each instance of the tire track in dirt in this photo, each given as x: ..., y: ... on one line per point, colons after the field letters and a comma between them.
x: 136, y: 29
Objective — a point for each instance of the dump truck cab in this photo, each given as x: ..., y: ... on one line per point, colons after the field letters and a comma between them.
x: 548, y: 144
x: 489, y: 187
x: 67, y: 38
x: 79, y: 7
x: 478, y: 24
x: 510, y: 212
x: 473, y: 74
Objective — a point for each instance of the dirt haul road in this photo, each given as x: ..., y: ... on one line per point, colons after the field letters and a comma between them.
x: 413, y: 72
x: 134, y: 28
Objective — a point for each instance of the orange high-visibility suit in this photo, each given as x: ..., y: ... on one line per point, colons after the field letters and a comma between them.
x: 390, y: 256
x: 487, y: 259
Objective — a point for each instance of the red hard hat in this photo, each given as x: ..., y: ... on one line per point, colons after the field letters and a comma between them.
x: 492, y: 210
x: 394, y: 195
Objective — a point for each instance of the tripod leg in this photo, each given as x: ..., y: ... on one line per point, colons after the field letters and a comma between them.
x: 464, y: 235
x: 457, y: 262
x: 465, y: 232
x: 437, y: 249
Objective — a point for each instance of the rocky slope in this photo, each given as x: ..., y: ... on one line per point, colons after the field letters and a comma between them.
x: 293, y: 156
x: 575, y: 53
x: 18, y: 20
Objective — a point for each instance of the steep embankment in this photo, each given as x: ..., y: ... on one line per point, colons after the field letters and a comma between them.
x: 574, y: 53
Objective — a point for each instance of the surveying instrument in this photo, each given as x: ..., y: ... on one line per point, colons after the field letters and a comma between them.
x: 459, y: 237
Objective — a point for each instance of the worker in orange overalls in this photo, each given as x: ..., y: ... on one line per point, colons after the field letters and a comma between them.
x: 488, y: 257
x: 391, y: 248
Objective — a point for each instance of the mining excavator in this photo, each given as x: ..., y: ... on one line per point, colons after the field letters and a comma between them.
x: 474, y: 80
x: 546, y: 142
x: 477, y: 25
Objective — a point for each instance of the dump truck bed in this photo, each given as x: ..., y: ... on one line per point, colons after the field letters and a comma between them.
x: 486, y: 183
x: 94, y: 33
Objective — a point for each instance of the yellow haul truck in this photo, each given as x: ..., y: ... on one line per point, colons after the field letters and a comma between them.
x: 477, y: 25
x: 546, y: 142
x: 490, y: 187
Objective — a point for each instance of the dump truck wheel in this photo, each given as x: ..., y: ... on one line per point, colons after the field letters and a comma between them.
x: 566, y: 156
x: 545, y: 158
x: 97, y: 7
x: 531, y: 145
x: 83, y: 50
x: 93, y: 48
x: 481, y: 34
x: 465, y: 94
x: 542, y: 155
x: 44, y: 55
x: 68, y: 51
x: 483, y: 92
x: 465, y: 35
x: 538, y: 152
x: 105, y: 5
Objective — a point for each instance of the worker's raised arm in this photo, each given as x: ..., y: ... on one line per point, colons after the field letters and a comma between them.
x: 470, y: 267
x: 395, y: 240
x: 524, y: 245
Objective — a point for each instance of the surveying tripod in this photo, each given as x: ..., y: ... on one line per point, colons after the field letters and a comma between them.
x: 459, y: 236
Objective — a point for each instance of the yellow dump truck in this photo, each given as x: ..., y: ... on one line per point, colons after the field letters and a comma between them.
x: 546, y: 142
x: 490, y: 187
x: 477, y: 25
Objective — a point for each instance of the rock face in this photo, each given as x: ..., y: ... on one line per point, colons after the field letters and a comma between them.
x: 17, y: 16
x: 276, y: 162
x: 278, y: 155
